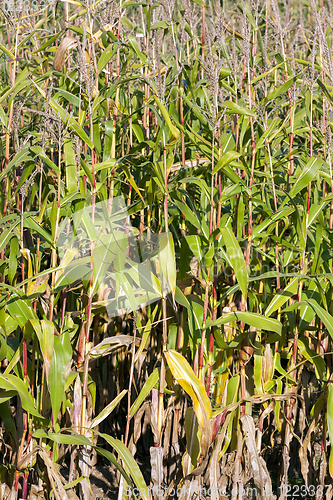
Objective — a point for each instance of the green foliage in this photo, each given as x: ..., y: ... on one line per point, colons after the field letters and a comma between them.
x: 217, y: 135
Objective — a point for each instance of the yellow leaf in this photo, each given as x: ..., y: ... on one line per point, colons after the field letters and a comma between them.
x: 186, y: 378
x: 67, y: 258
x: 26, y: 254
x: 38, y: 285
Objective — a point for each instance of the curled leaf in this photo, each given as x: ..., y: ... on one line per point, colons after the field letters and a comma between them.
x: 111, y: 344
x: 67, y: 43
x: 186, y: 378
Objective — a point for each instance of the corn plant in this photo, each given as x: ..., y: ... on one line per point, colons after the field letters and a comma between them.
x: 165, y: 249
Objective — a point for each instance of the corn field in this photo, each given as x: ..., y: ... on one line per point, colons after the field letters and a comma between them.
x: 166, y: 264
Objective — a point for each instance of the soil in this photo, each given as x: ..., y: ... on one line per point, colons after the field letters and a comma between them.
x: 103, y: 480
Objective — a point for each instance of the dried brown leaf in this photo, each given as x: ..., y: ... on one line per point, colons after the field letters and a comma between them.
x: 214, y: 469
x: 259, y: 469
x: 59, y: 59
x: 36, y: 493
x: 266, y: 412
x: 257, y: 399
x: 303, y: 452
x: 156, y: 462
x: 110, y: 344
x: 12, y: 494
x: 4, y: 491
x: 56, y: 480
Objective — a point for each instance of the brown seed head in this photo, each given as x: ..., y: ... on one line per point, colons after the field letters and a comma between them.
x: 59, y: 59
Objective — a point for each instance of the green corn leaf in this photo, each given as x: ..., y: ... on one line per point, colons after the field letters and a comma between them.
x: 7, y: 52
x: 236, y: 257
x: 274, y: 217
x: 233, y: 108
x: 3, y: 347
x: 3, y: 117
x: 270, y: 133
x: 227, y: 158
x: 45, y: 333
x: 167, y: 260
x: 14, y: 383
x: 325, y: 90
x: 73, y: 99
x: 121, y: 280
x: 20, y: 83
x: 20, y: 310
x: 307, y: 174
x: 71, y: 170
x: 130, y: 465
x: 109, y: 456
x: 201, y: 183
x: 196, y: 245
x: 253, y: 319
x: 57, y: 374
x: 266, y: 73
x: 107, y: 410
x: 106, y: 55
x: 278, y: 421
x: 282, y: 297
x: 38, y: 151
x: 7, y: 235
x: 58, y: 437
x: 146, y: 389
x: 175, y: 134
x: 317, y: 361
x: 31, y: 223
x: 201, y: 3
x: 134, y: 45
x: 316, y: 209
x: 19, y: 158
x: 326, y: 318
x: 283, y: 89
x: 190, y: 215
x: 193, y: 435
x: 48, y: 43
